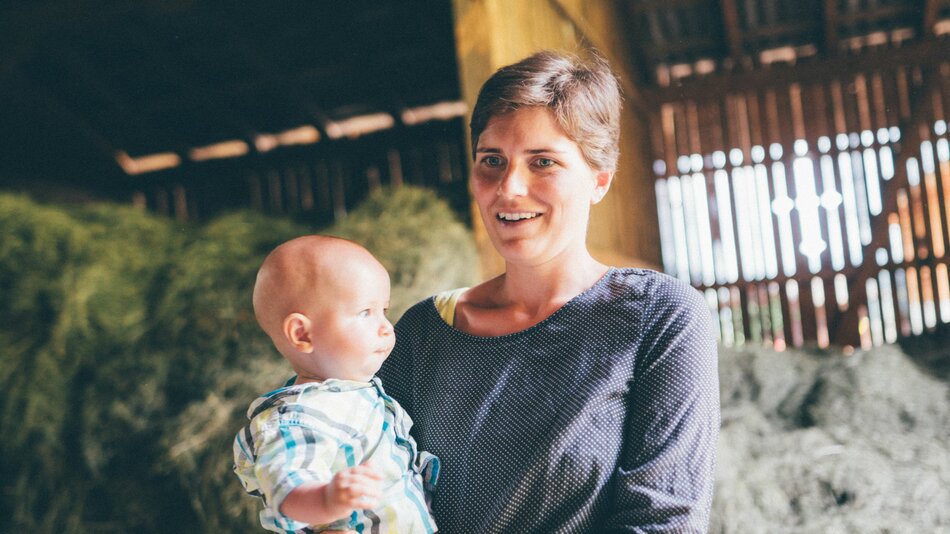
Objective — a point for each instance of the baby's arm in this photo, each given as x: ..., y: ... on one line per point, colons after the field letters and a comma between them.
x: 315, y: 503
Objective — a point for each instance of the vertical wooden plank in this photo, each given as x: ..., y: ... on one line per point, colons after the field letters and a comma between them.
x: 812, y: 311
x: 180, y: 196
x: 667, y: 112
x: 701, y: 180
x: 730, y: 127
x: 255, y: 193
x: 306, y: 187
x: 161, y: 201
x: 321, y: 174
x: 914, y: 302
x: 394, y: 161
x: 338, y: 189
x: 274, y: 191
x: 783, y: 199
x: 291, y: 188
x: 830, y: 18
x: 878, y: 104
x: 711, y: 127
x: 728, y: 221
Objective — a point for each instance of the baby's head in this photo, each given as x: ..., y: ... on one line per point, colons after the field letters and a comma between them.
x: 323, y: 301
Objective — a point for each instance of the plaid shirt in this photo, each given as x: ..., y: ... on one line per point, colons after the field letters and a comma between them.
x: 307, y: 432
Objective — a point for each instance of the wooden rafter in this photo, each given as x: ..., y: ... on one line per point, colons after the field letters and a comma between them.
x: 929, y: 18
x: 922, y: 53
x: 730, y: 22
x: 679, y: 46
x: 784, y: 29
x: 881, y: 13
x: 830, y: 19
x: 646, y: 6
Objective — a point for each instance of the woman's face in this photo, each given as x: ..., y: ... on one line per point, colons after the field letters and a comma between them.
x: 533, y: 187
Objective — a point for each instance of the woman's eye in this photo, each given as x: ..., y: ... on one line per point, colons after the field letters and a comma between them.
x: 492, y: 161
x: 544, y: 162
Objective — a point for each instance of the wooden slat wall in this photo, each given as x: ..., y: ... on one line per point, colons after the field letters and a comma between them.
x: 319, y: 182
x: 815, y: 212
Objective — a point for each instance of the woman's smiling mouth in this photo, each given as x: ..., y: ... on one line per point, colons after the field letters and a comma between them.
x: 516, y: 216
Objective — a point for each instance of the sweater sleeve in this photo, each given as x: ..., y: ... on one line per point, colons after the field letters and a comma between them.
x: 664, y: 481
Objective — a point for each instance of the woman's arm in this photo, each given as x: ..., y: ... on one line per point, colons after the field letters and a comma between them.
x: 664, y: 482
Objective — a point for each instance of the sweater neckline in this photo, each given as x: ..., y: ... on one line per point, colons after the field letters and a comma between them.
x: 529, y: 330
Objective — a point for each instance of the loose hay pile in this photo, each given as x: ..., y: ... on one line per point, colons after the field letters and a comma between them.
x: 827, y: 443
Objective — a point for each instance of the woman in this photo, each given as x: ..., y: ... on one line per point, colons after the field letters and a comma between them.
x: 563, y: 395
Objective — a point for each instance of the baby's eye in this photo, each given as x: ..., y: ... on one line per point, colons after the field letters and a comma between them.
x: 365, y: 313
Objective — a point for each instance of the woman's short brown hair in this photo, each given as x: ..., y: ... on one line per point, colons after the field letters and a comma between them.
x: 583, y: 95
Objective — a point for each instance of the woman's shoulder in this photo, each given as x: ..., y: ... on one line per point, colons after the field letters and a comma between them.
x: 418, y: 311
x: 647, y: 296
x: 663, y: 289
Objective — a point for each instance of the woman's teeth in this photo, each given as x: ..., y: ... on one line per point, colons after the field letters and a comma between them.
x: 517, y: 216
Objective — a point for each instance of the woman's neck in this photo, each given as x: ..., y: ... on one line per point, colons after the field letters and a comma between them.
x: 525, y: 295
x: 538, y: 286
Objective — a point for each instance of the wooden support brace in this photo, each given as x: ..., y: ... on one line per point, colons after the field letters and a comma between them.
x: 730, y: 21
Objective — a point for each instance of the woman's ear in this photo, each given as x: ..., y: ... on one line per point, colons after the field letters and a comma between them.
x: 602, y: 179
x: 297, y: 329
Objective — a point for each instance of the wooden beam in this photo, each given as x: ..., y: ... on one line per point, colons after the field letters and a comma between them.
x: 730, y: 21
x: 692, y: 44
x: 880, y: 14
x: 830, y: 19
x: 647, y: 6
x: 922, y: 53
x: 794, y: 27
x: 929, y: 18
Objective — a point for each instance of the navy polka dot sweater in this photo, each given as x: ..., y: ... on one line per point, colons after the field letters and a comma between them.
x: 602, y: 418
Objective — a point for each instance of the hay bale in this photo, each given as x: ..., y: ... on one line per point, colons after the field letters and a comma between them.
x: 80, y: 281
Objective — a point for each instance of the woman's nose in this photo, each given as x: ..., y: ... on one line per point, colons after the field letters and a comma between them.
x: 513, y: 183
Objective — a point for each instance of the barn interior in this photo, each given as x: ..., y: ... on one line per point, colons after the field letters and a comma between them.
x: 788, y: 158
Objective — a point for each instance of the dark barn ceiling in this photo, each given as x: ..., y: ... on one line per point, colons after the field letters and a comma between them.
x: 81, y: 80
x: 675, y: 39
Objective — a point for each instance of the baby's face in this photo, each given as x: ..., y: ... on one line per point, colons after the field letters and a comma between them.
x: 352, y: 336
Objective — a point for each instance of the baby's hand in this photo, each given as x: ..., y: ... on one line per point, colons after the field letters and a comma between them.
x: 354, y: 488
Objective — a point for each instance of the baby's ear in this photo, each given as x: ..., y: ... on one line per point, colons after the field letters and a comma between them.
x: 296, y: 329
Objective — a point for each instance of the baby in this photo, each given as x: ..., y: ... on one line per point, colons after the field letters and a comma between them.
x: 330, y: 450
